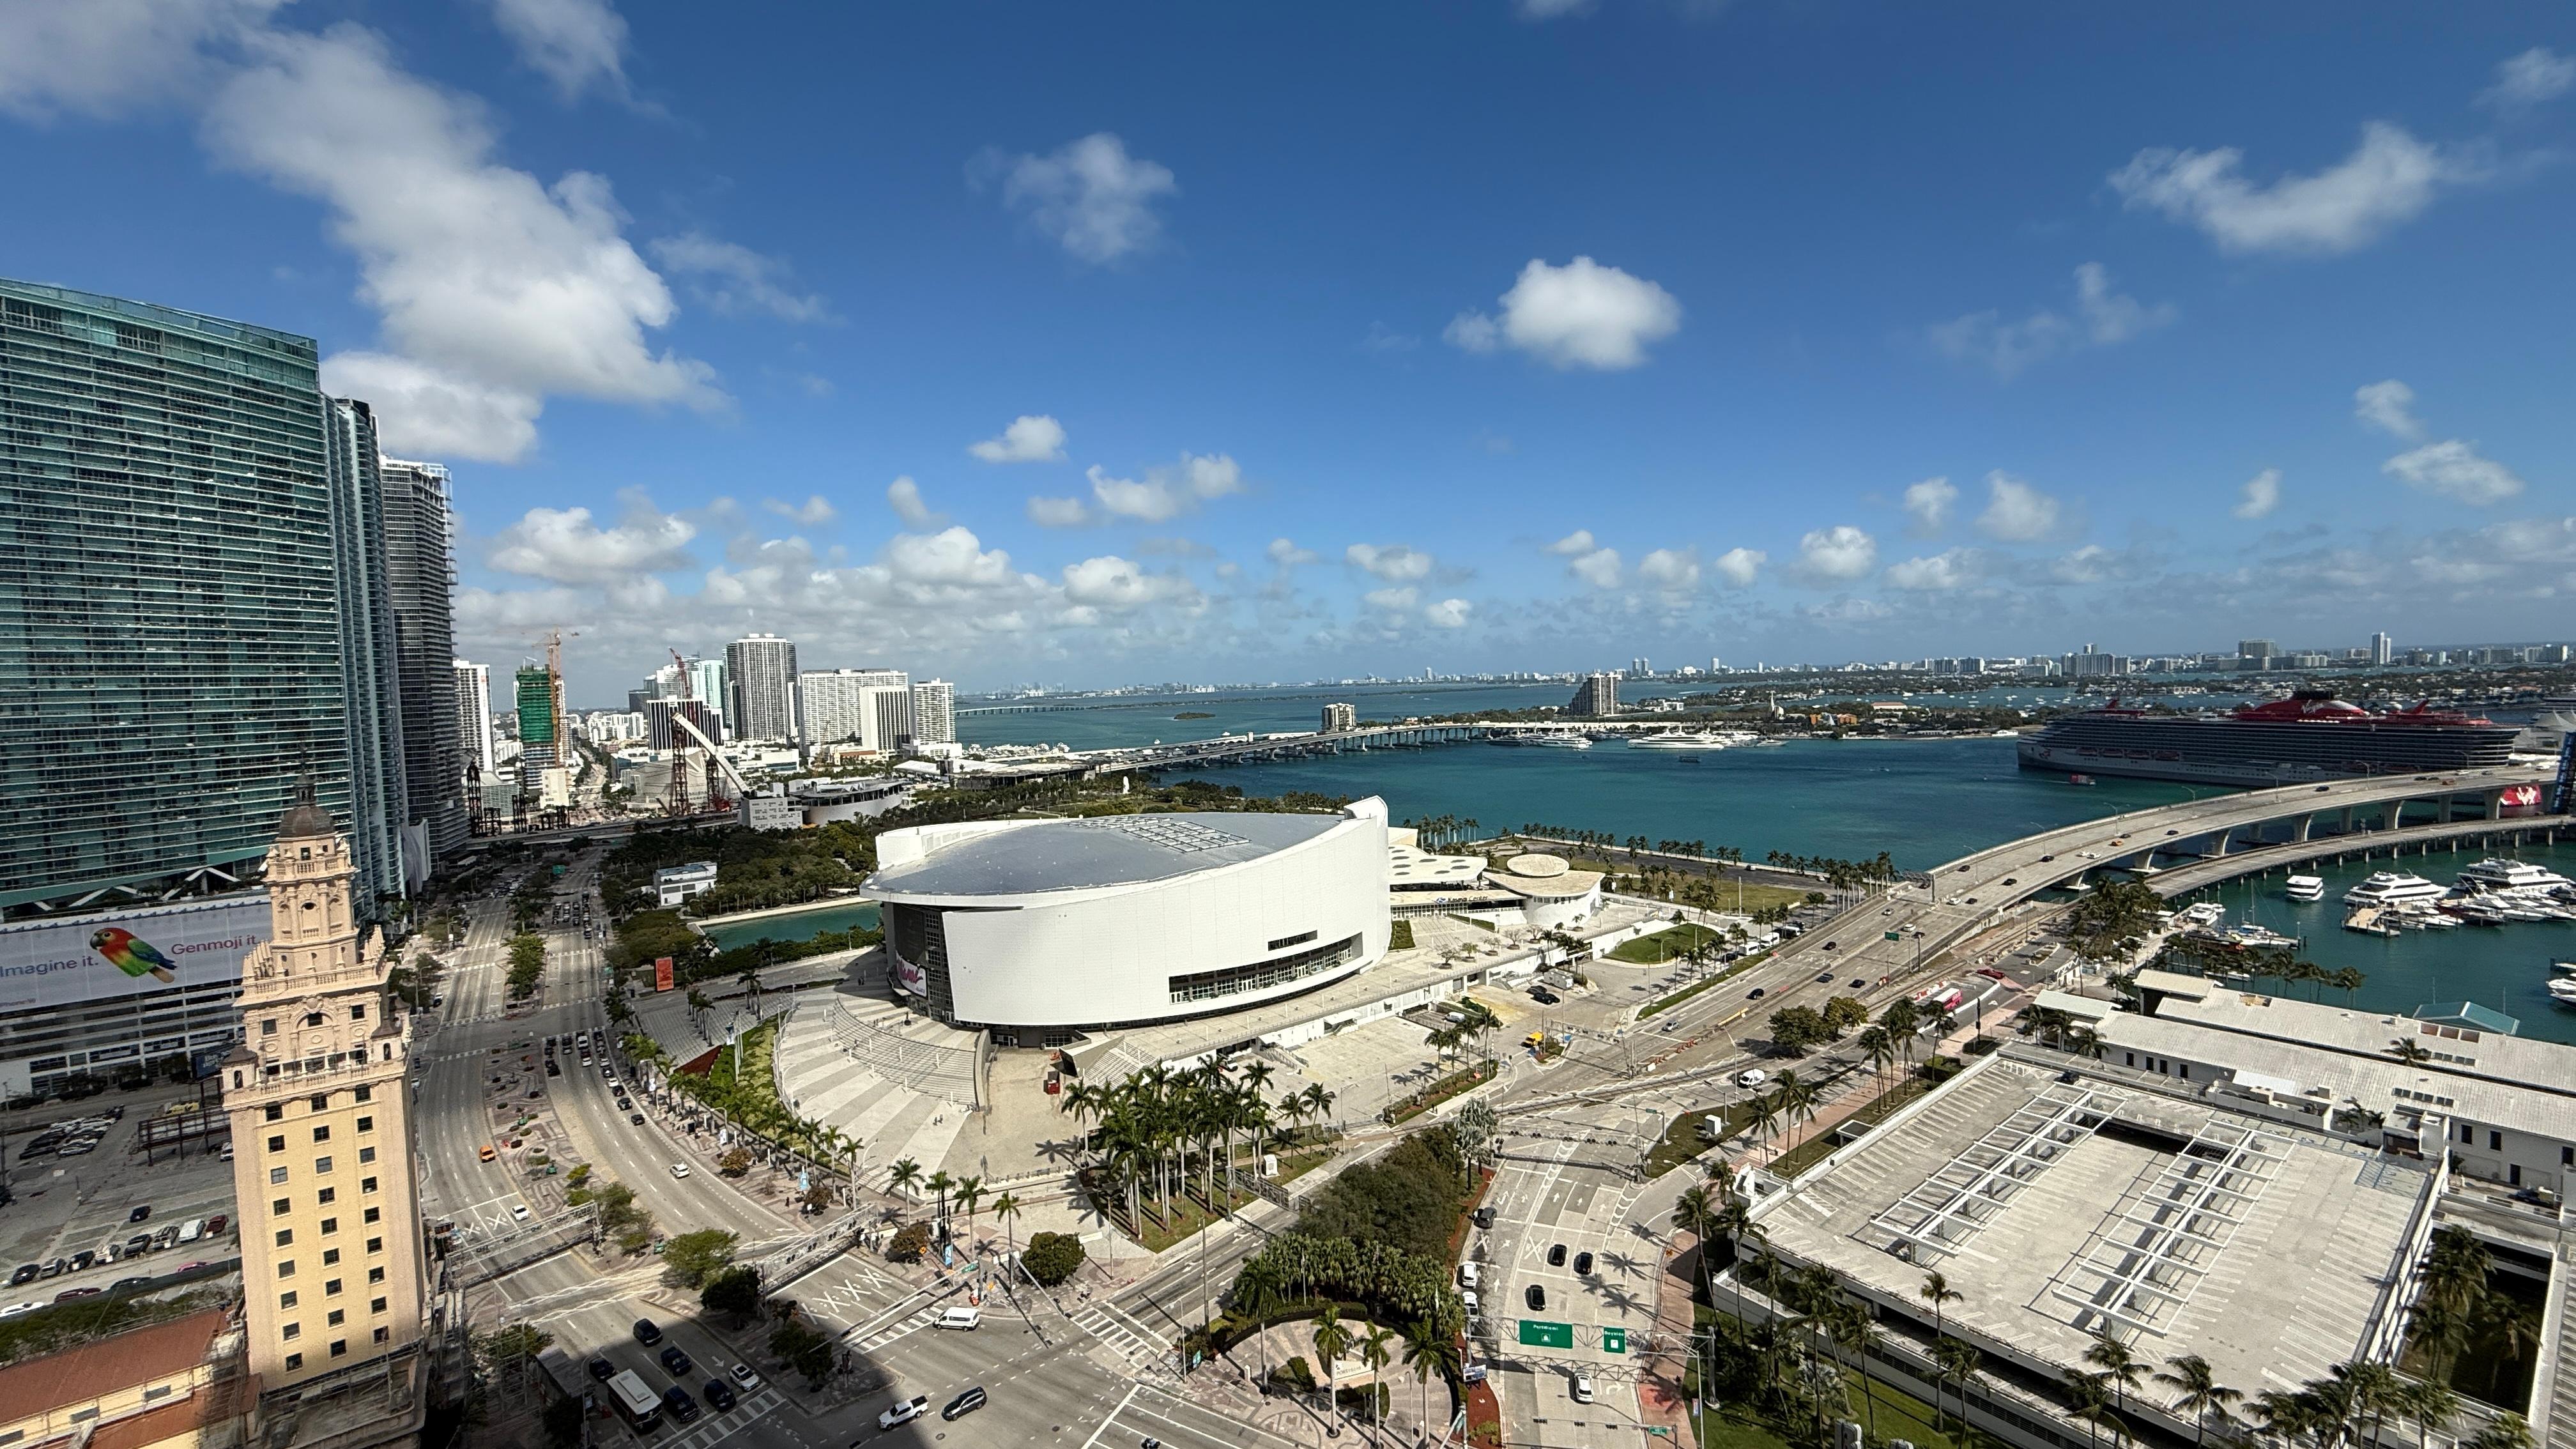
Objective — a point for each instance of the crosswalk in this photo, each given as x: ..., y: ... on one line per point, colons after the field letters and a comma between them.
x: 716, y: 1428
x: 1139, y: 1347
x: 880, y: 1334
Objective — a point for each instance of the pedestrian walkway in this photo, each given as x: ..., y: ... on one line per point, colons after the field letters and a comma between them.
x: 1136, y: 1345
x: 892, y: 1121
x: 1662, y: 1399
x: 719, y: 1427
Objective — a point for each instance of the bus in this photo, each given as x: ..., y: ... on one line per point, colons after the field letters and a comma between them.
x: 635, y: 1403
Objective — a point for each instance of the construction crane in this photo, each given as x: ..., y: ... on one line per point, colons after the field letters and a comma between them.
x: 682, y: 724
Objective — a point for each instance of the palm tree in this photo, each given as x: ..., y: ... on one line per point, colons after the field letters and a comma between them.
x: 939, y: 1183
x: 2121, y: 1369
x: 2509, y: 1431
x: 1373, y: 1352
x: 1958, y: 1361
x: 1332, y: 1340
x: 1005, y: 1208
x: 2408, y: 1052
x: 969, y: 1191
x: 1856, y: 1334
x: 1880, y: 1046
x: 901, y: 1175
x: 2089, y: 1399
x: 2199, y: 1391
x: 1429, y: 1350
x: 2433, y: 1407
x: 1936, y: 1290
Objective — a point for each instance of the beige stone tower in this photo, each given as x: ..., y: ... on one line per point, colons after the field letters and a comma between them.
x: 332, y: 1264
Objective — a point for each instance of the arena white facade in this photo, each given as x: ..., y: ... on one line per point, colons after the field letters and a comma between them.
x: 1039, y: 928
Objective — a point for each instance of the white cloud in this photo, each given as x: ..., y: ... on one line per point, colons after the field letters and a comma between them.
x: 2454, y: 469
x: 1394, y: 601
x: 1599, y: 568
x: 1670, y: 570
x: 1395, y: 563
x: 1839, y: 552
x: 574, y: 43
x: 1938, y: 572
x: 1578, y: 542
x: 1031, y: 438
x: 1166, y: 492
x: 562, y: 545
x: 2103, y: 318
x: 2015, y: 511
x: 1741, y: 566
x: 904, y: 497
x: 2262, y: 494
x: 2389, y: 179
x: 1090, y: 195
x: 103, y: 57
x: 1448, y: 614
x: 2388, y: 406
x: 1058, y: 512
x: 814, y: 512
x: 2087, y: 565
x: 2528, y: 79
x: 952, y: 556
x: 733, y: 279
x: 1928, y: 503
x: 1582, y: 314
x: 428, y: 413
x: 1288, y: 555
x: 1116, y: 583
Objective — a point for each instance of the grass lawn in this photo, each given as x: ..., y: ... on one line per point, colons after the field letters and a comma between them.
x: 1900, y: 1416
x: 1682, y: 1142
x: 1816, y: 1149
x: 1664, y: 945
x: 1695, y: 988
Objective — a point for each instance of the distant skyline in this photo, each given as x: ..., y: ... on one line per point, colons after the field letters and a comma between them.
x: 1028, y: 342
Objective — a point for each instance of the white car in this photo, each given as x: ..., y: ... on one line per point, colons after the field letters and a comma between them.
x: 1583, y: 1388
x: 904, y: 1411
x: 519, y: 1213
x: 743, y: 1375
x: 14, y: 1309
x: 679, y: 1169
x: 1754, y: 1078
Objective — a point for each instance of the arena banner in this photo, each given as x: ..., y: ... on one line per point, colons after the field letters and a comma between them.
x: 661, y: 973
x: 45, y: 964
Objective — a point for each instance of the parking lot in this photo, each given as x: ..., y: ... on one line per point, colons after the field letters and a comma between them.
x: 86, y: 1203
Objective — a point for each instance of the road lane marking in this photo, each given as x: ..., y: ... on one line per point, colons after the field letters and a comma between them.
x: 1132, y: 1391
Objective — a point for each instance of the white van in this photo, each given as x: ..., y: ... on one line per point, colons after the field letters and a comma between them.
x: 195, y: 1229
x: 1467, y: 1276
x: 1754, y: 1078
x: 966, y: 1318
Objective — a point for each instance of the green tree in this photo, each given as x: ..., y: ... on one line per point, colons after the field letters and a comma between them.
x: 690, y: 1259
x: 733, y: 1291
x: 2198, y: 1392
x: 1052, y: 1257
x: 1842, y: 1013
x: 1797, y: 1030
x: 804, y: 1350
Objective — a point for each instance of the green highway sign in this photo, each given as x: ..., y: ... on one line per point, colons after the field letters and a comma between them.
x: 1895, y: 936
x: 1614, y: 1340
x: 1546, y: 1335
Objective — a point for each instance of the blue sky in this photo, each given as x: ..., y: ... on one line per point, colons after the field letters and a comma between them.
x: 1326, y: 340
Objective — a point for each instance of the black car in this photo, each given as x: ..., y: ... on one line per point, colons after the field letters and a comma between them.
x: 82, y: 1260
x: 1583, y: 1265
x: 1536, y: 1297
x: 677, y: 1400
x: 127, y: 1285
x: 624, y: 1105
x: 139, y: 1243
x: 1756, y: 994
x: 139, y: 1213
x: 636, y: 1118
x: 1556, y: 1256
x: 1825, y: 975
x: 602, y: 1370
x: 647, y: 1332
x: 26, y: 1274
x: 1857, y: 983
x: 676, y: 1359
x: 552, y: 1070
x: 964, y: 1404
x: 719, y: 1395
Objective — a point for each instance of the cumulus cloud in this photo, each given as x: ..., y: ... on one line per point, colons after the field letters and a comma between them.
x: 1741, y: 566
x: 428, y: 412
x: 1578, y: 542
x: 1582, y: 314
x: 2261, y: 494
x: 2388, y: 180
x: 104, y: 57
x: 735, y: 280
x: 1166, y: 493
x: 1058, y: 512
x: 562, y: 545
x: 1936, y: 573
x: 2529, y: 79
x: 576, y: 44
x: 2389, y: 407
x: 1119, y: 584
x: 1448, y: 614
x: 2454, y: 469
x: 1031, y: 438
x: 1394, y: 600
x: 1395, y: 563
x: 904, y: 497
x: 1670, y: 570
x: 1288, y: 555
x: 1599, y: 568
x: 1839, y: 552
x: 814, y: 512
x: 2015, y: 511
x: 1928, y: 504
x: 2102, y: 318
x: 1090, y: 196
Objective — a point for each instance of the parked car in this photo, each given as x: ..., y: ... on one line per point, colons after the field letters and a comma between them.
x: 138, y: 1212
x: 26, y: 1274
x: 1556, y: 1255
x: 1536, y: 1297
x: 139, y: 1244
x: 1583, y: 1265
x: 68, y: 1294
x: 676, y: 1359
x: 677, y: 1400
x: 647, y: 1332
x: 215, y: 1225
x: 719, y: 1396
x: 82, y: 1260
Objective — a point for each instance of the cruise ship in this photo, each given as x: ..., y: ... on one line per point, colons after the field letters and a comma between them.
x: 2311, y: 736
x: 2392, y: 888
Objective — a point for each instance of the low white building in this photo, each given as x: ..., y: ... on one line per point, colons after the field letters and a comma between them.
x: 768, y: 811
x: 677, y: 884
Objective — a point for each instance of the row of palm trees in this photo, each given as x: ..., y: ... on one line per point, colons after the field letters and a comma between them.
x: 1432, y: 1342
x: 2351, y: 1405
x: 1155, y: 1127
x: 1440, y: 831
x: 904, y: 1175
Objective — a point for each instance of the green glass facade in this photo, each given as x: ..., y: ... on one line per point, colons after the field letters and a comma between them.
x: 171, y: 608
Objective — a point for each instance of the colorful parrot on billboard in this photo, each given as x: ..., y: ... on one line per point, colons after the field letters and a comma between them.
x: 131, y: 954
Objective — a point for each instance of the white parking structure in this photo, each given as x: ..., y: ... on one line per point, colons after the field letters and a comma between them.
x: 1039, y: 928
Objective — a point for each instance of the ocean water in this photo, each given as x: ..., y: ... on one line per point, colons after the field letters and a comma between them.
x: 2498, y: 966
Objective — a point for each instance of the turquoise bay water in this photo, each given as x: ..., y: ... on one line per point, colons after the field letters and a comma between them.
x: 797, y: 925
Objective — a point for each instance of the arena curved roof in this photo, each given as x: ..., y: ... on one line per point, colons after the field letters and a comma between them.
x: 1115, y: 850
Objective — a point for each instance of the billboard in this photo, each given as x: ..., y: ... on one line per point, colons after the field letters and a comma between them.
x: 909, y: 979
x: 661, y: 973
x: 45, y: 964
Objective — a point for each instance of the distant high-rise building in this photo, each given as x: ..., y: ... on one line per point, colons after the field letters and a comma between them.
x: 934, y: 712
x: 174, y: 639
x: 2383, y: 650
x: 534, y: 700
x: 871, y: 708
x: 661, y: 734
x: 761, y: 670
x: 2255, y: 654
x: 474, y: 720
x: 707, y: 681
x: 371, y: 677
x: 1597, y: 697
x: 1340, y: 718
x: 1640, y: 668
x: 421, y: 580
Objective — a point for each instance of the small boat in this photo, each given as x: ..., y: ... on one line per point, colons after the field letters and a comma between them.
x: 1694, y: 740
x: 2082, y: 780
x: 2562, y: 990
x: 2305, y: 888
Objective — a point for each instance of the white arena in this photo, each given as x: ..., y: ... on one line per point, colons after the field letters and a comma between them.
x: 1040, y: 928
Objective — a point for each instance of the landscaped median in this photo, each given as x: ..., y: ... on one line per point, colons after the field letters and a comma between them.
x: 1682, y: 1139
x: 1695, y: 988
x: 1452, y: 1085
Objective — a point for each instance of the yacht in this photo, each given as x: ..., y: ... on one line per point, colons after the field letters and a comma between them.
x: 2510, y: 875
x: 1549, y: 741
x: 2204, y: 914
x: 2562, y: 990
x: 2305, y: 888
x: 1681, y: 740
x: 2390, y: 888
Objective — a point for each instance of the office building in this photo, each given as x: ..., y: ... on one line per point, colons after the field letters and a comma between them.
x: 661, y: 734
x: 2093, y: 664
x: 1597, y: 697
x: 871, y: 708
x: 371, y: 682
x: 934, y: 712
x: 761, y: 676
x: 176, y: 640
x: 421, y: 580
x: 536, y: 698
x: 334, y: 1280
x: 707, y: 681
x: 474, y: 721
x: 2255, y: 654
x: 1340, y: 719
x: 2383, y: 650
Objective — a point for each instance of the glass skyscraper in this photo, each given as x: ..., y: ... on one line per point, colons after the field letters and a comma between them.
x: 173, y: 606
